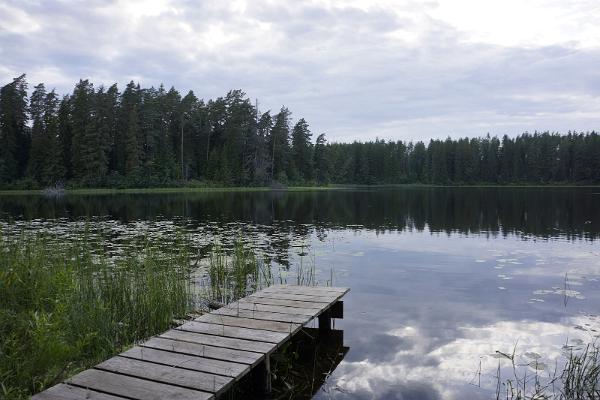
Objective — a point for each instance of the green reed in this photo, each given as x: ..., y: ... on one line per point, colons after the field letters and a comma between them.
x: 64, y: 306
x: 579, y: 379
x: 236, y: 273
x: 242, y: 270
x: 581, y: 375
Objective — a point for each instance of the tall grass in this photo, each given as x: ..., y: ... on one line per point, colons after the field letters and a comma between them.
x: 66, y: 306
x: 579, y: 379
x: 242, y: 270
x: 235, y: 274
x: 581, y: 375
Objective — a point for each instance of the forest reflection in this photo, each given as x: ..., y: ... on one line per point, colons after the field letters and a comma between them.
x: 538, y: 212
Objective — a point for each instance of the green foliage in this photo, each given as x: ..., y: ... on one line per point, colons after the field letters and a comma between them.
x: 14, y: 133
x: 154, y: 137
x: 64, y: 307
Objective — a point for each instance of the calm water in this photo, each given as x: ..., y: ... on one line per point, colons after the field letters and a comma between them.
x: 441, y: 278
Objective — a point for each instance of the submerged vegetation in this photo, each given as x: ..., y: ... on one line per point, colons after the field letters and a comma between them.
x: 66, y: 306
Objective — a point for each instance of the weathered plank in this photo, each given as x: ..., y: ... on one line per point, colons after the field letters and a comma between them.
x: 303, y: 290
x: 286, y: 302
x: 242, y: 322
x: 250, y: 306
x: 234, y: 332
x: 166, y: 374
x: 183, y: 342
x: 196, y: 363
x: 262, y: 315
x: 134, y: 388
x: 297, y: 297
x: 309, y: 289
x: 68, y: 392
x: 202, y: 358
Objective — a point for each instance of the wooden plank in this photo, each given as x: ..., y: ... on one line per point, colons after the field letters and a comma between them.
x: 204, y: 357
x: 68, y: 392
x: 262, y: 315
x: 301, y: 290
x: 247, y: 305
x: 286, y: 302
x: 242, y: 322
x: 134, y: 388
x: 181, y: 342
x: 234, y: 332
x: 311, y: 289
x: 297, y: 297
x: 166, y: 374
x: 187, y: 361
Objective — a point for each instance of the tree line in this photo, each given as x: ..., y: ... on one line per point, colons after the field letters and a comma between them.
x: 150, y: 137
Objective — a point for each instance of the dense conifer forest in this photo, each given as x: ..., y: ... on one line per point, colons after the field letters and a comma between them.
x: 102, y: 137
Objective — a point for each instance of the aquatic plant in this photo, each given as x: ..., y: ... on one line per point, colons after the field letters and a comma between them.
x: 67, y: 305
x: 579, y: 379
x: 236, y: 273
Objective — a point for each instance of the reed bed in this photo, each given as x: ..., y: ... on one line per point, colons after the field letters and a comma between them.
x: 242, y: 270
x: 65, y: 306
x: 578, y: 380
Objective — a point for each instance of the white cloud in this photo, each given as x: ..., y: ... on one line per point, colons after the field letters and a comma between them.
x: 354, y: 69
x: 524, y: 23
x: 16, y: 21
x: 449, y: 366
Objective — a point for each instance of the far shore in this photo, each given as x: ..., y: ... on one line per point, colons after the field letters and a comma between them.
x: 204, y: 189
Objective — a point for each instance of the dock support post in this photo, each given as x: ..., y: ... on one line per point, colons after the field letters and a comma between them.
x: 262, y: 375
x: 335, y: 311
x: 325, y: 322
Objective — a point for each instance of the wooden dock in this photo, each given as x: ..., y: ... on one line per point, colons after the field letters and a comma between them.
x: 203, y: 358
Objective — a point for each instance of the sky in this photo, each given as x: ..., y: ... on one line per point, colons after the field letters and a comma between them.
x: 354, y: 69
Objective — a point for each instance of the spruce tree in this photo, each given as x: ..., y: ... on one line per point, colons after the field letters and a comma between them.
x: 321, y: 160
x: 279, y: 145
x: 15, y: 137
x: 302, y: 159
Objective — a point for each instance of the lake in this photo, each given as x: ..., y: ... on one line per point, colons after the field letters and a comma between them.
x: 443, y: 280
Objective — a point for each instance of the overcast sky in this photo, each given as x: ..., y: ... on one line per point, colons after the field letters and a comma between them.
x: 355, y: 69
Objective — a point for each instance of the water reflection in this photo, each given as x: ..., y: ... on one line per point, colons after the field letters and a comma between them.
x: 425, y: 318
x: 441, y: 278
x: 537, y: 212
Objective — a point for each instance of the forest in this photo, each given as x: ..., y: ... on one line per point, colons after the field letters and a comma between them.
x: 154, y: 137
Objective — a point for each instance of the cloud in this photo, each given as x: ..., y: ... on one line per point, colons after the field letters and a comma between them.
x: 354, y: 69
x: 453, y: 366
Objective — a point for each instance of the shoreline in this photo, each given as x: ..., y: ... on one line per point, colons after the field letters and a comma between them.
x: 216, y: 189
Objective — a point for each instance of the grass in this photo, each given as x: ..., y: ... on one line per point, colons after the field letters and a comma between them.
x: 579, y: 379
x: 241, y: 271
x: 233, y: 275
x: 67, y: 303
x: 66, y: 306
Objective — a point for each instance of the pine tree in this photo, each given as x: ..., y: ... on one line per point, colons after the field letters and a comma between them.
x: 302, y: 158
x: 65, y: 136
x: 54, y: 170
x: 129, y: 130
x: 321, y: 160
x: 82, y: 147
x: 279, y: 145
x: 39, y: 143
x: 15, y: 139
